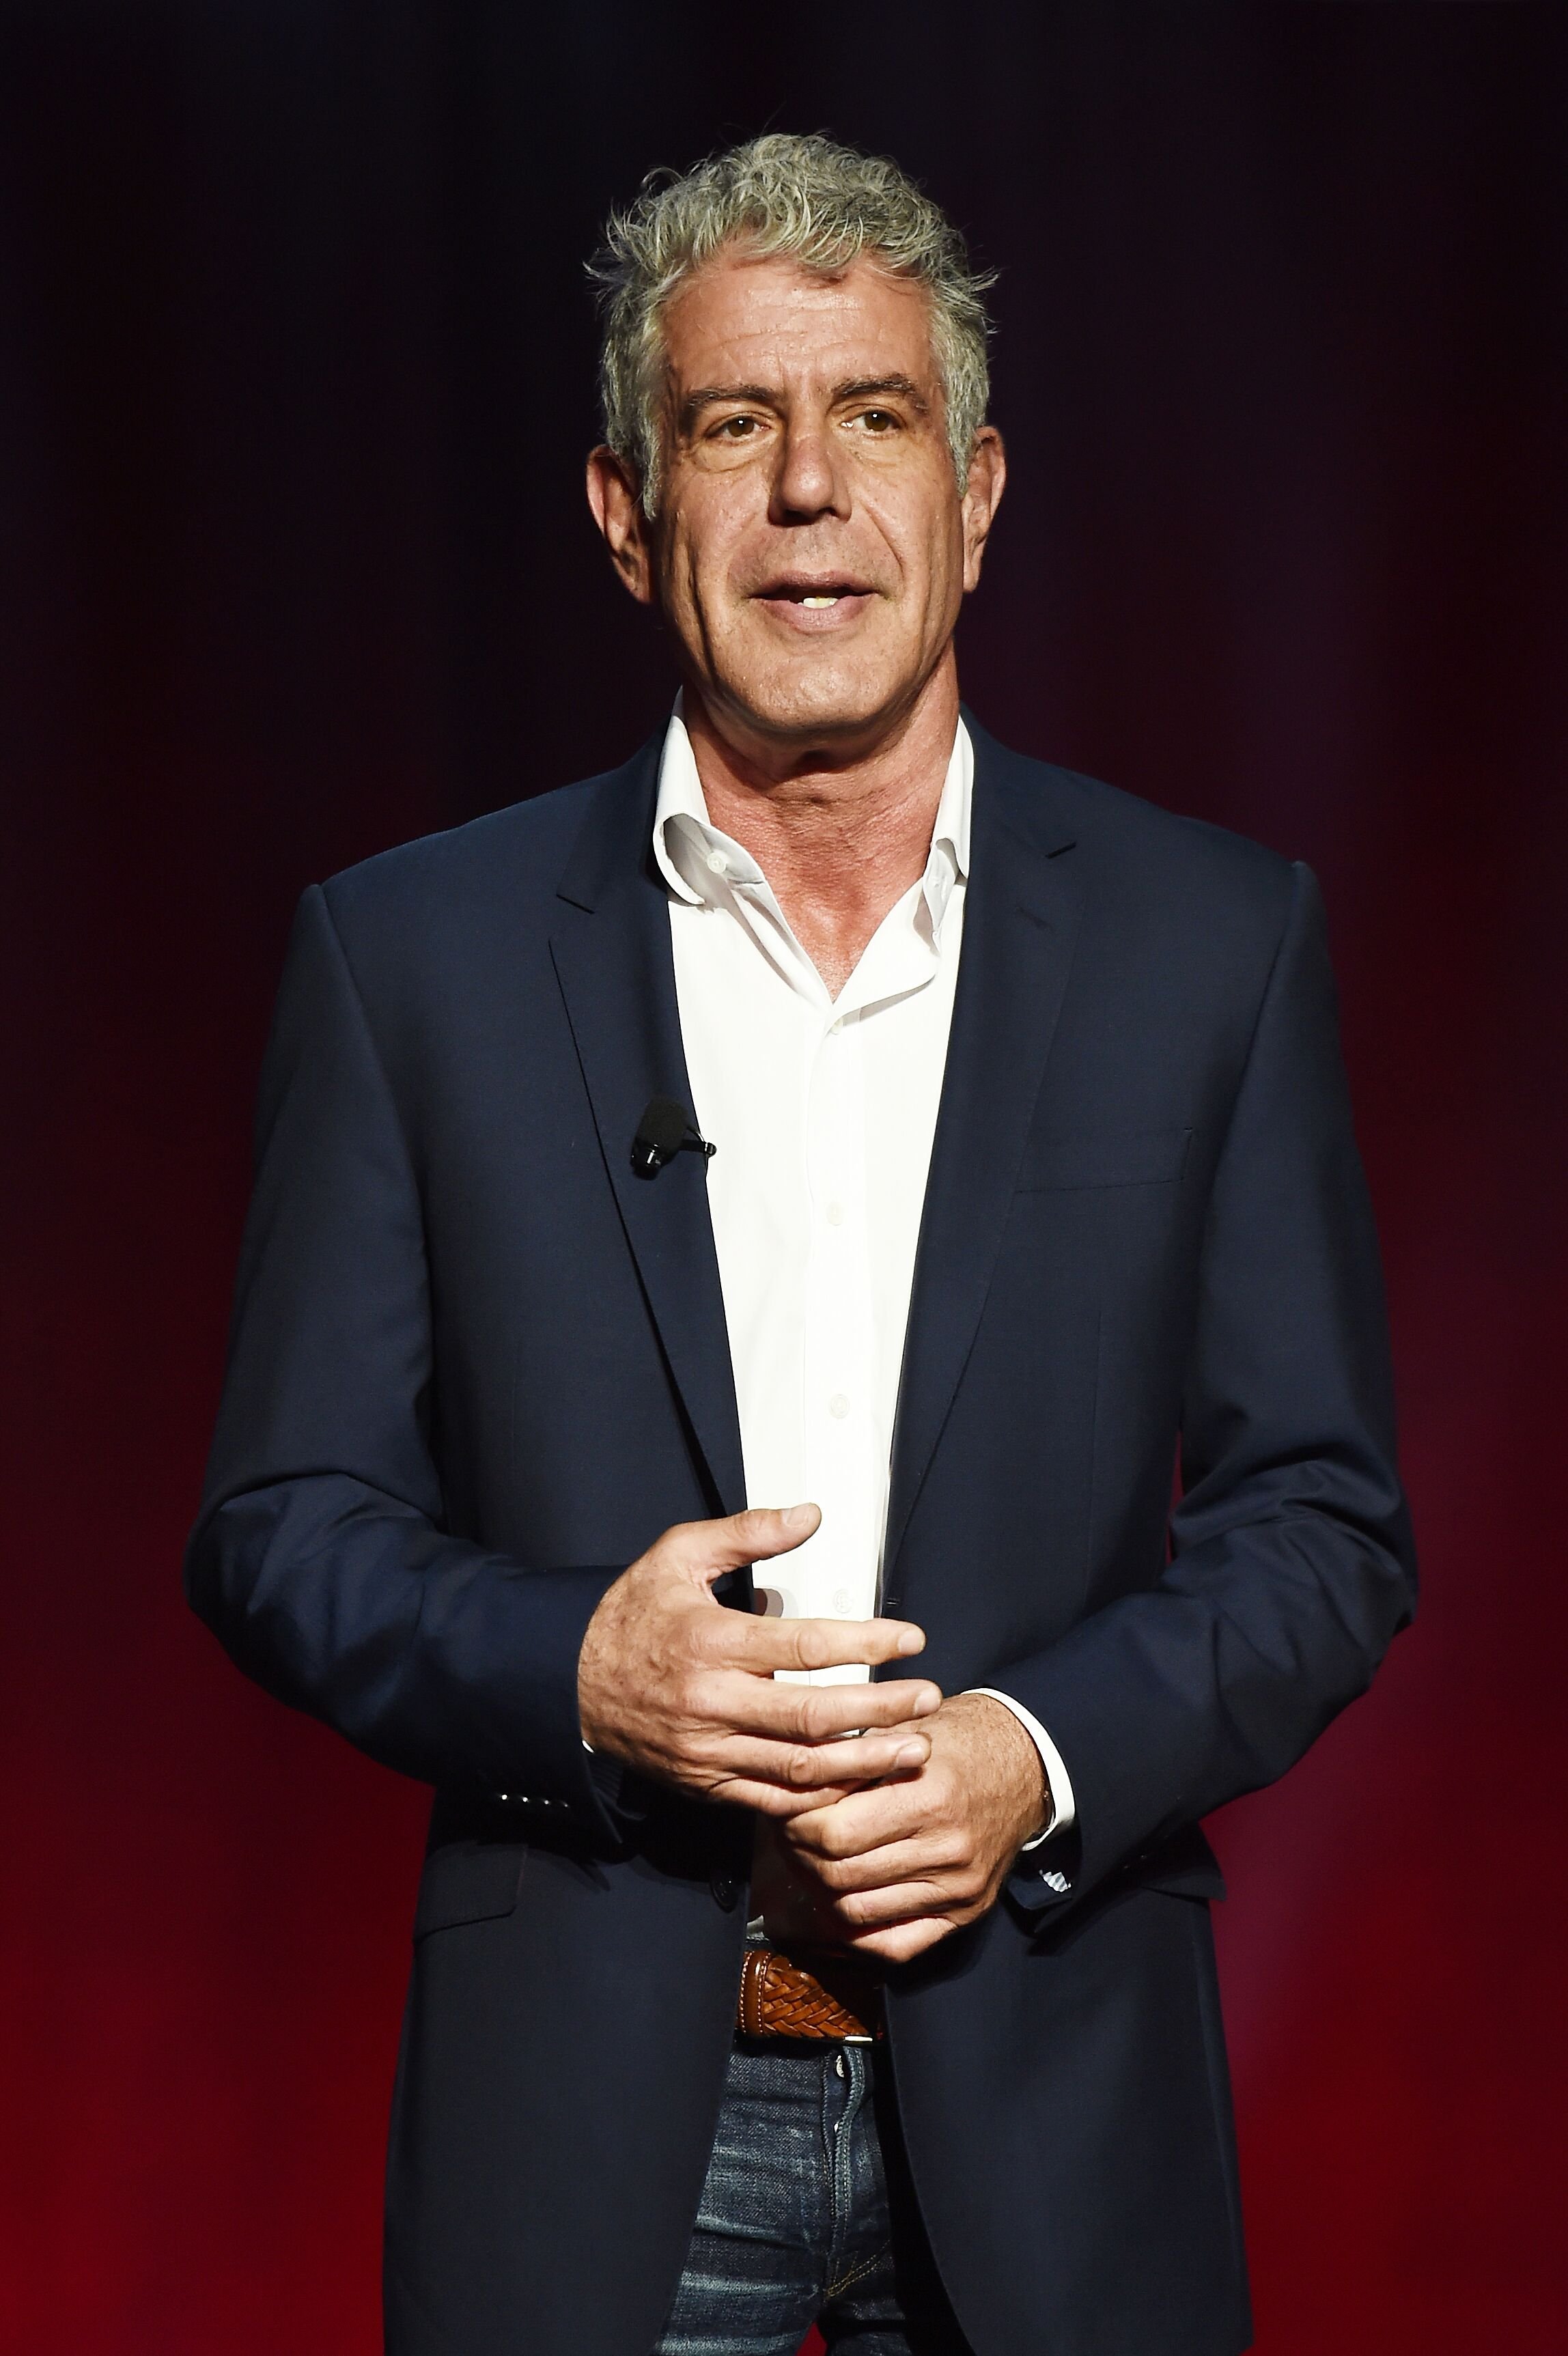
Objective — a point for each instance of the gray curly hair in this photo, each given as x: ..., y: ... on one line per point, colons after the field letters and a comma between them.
x: 807, y: 199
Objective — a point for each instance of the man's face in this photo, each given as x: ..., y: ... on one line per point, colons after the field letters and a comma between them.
x: 811, y: 548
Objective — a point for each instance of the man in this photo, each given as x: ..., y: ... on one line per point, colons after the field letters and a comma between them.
x: 831, y: 1165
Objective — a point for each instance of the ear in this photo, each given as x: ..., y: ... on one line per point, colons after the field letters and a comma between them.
x: 614, y: 496
x: 982, y: 498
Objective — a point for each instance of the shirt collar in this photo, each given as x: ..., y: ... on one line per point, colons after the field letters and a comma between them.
x: 704, y: 868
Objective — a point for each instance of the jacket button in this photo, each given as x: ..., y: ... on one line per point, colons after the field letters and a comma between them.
x: 724, y: 1888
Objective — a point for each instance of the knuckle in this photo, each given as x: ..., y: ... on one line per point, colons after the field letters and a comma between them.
x: 814, y: 1713
x: 770, y: 1801
x: 689, y: 1694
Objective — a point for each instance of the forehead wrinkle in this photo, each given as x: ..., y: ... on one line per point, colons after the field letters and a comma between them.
x: 726, y: 291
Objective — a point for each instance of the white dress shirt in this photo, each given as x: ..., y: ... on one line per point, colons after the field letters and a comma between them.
x: 822, y: 1111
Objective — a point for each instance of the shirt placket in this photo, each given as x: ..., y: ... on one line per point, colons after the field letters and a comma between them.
x: 838, y: 1359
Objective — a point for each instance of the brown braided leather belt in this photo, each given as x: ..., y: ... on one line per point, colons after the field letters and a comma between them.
x: 838, y: 1997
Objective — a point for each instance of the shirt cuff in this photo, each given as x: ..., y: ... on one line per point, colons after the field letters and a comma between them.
x: 1059, y: 1783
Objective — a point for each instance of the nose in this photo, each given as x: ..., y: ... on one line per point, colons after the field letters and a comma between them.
x: 809, y: 481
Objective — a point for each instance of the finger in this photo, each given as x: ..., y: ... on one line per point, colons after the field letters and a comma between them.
x: 710, y: 1548
x: 905, y: 1941
x: 866, y: 1821
x: 766, y: 1644
x: 782, y: 1807
x: 816, y: 1767
x: 877, y: 1910
x: 943, y: 1860
x: 747, y: 1705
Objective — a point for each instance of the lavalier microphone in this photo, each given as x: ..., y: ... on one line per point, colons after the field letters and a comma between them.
x: 665, y: 1130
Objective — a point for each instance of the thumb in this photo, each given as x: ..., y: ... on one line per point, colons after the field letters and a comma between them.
x: 747, y: 1538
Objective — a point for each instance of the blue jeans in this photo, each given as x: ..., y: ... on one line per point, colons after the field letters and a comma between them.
x: 808, y: 2216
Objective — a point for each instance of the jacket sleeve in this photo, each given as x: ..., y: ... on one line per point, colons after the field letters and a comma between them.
x: 1293, y: 1565
x: 320, y: 1558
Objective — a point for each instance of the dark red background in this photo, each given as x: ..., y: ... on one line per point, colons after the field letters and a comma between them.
x: 295, y: 359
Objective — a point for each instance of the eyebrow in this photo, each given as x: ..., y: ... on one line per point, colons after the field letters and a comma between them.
x: 860, y: 388
x: 762, y: 396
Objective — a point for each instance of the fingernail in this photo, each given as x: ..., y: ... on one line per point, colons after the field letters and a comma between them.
x: 913, y: 1754
x: 928, y: 1699
x: 913, y: 1640
x: 799, y: 1517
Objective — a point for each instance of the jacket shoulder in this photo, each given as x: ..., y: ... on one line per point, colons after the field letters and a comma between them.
x: 1191, y: 912
x: 507, y: 857
x: 1145, y: 834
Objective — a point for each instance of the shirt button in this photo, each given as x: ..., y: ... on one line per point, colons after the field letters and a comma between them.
x: 724, y: 1888
x: 717, y: 864
x: 838, y: 1405
x: 835, y: 1214
x: 842, y: 1601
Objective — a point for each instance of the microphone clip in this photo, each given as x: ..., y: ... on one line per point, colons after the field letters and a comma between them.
x: 665, y: 1130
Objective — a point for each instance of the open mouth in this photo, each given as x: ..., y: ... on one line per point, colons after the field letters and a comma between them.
x: 795, y: 600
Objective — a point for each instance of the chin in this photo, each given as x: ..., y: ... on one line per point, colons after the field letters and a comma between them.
x: 832, y: 699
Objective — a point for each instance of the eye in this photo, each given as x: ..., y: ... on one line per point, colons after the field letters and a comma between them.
x: 734, y: 429
x: 878, y: 420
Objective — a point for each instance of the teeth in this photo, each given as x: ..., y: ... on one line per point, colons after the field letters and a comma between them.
x: 817, y: 604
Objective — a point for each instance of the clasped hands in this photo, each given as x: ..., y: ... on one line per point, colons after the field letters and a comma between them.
x: 893, y: 1814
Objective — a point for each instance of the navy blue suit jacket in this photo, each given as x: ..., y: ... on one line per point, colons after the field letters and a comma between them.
x: 477, y: 1366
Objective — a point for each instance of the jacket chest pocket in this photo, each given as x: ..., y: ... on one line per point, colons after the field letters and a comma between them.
x: 1146, y: 1157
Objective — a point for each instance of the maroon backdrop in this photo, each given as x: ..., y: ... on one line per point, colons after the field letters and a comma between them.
x: 294, y: 361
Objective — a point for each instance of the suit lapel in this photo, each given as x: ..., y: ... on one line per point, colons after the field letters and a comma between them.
x: 1021, y: 916
x: 613, y: 960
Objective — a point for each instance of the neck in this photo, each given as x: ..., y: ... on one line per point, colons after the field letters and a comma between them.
x: 840, y: 837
